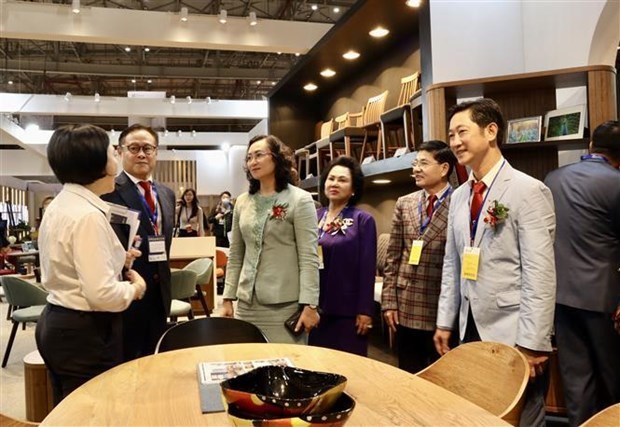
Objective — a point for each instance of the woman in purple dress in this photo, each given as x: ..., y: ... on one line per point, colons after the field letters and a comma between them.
x: 348, y: 245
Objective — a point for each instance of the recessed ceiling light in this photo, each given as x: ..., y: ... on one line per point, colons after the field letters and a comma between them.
x: 350, y: 55
x: 379, y: 32
x: 328, y: 72
x: 381, y: 181
x: 314, y: 7
x: 258, y: 82
x: 336, y: 10
x: 273, y: 83
x: 297, y: 53
x: 133, y: 80
x: 279, y: 53
x: 147, y: 49
x: 10, y: 82
x: 413, y: 3
x: 311, y: 87
x: 223, y: 16
x: 149, y: 81
x: 127, y: 49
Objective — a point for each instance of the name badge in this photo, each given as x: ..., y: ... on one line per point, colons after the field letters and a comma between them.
x: 157, y: 249
x: 416, y: 252
x: 320, y: 252
x: 471, y: 260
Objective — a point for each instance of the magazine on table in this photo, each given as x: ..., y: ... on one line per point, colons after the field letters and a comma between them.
x: 211, y: 374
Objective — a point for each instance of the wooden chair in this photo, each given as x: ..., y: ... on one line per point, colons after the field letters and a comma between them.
x: 203, y: 267
x: 607, y: 417
x: 182, y: 288
x: 323, y: 154
x: 489, y: 374
x: 357, y: 134
x: 399, y: 120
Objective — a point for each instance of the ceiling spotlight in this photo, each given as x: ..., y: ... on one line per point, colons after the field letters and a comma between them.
x: 179, y: 133
x: 336, y: 10
x: 274, y: 83
x: 97, y: 97
x: 68, y: 96
x: 252, y: 18
x: 279, y: 53
x: 173, y: 99
x: 149, y: 81
x: 351, y: 55
x: 133, y: 80
x: 147, y: 49
x: 127, y: 49
x: 166, y: 132
x: 75, y: 6
x: 112, y: 132
x: 314, y: 7
x: 381, y: 181
x: 310, y: 87
x: 193, y: 133
x: 379, y: 32
x: 208, y: 99
x: 413, y: 3
x: 297, y: 53
x: 258, y: 82
x: 223, y: 16
x: 10, y: 82
x: 328, y: 72
x: 184, y: 14
x: 189, y: 99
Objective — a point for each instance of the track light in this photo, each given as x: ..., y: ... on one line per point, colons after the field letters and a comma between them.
x: 208, y: 99
x: 179, y: 133
x: 166, y: 132
x: 223, y: 16
x: 193, y: 133
x: 413, y: 3
x: 68, y: 96
x: 173, y: 99
x: 252, y: 18
x: 189, y: 99
x: 184, y: 14
x: 97, y: 97
x: 112, y: 132
x: 75, y: 6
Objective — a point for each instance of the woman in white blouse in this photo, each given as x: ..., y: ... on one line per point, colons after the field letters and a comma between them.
x: 79, y: 334
x: 189, y: 215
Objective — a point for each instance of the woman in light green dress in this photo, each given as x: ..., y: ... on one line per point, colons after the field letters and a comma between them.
x: 273, y: 265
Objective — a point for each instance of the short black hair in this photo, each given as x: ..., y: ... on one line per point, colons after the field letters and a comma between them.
x: 134, y: 128
x: 606, y: 139
x: 441, y: 152
x: 78, y: 154
x: 483, y: 112
x: 225, y: 192
x: 357, y: 177
x: 283, y: 159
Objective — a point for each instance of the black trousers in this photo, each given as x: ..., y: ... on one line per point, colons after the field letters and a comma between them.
x: 589, y: 360
x: 416, y: 349
x: 77, y: 345
x: 144, y: 322
x: 533, y: 413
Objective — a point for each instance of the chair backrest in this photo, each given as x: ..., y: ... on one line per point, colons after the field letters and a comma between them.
x: 374, y: 108
x: 408, y: 86
x: 327, y: 128
x: 488, y: 374
x: 341, y: 121
x: 182, y: 284
x: 382, y: 246
x: 21, y: 293
x: 209, y: 331
x: 609, y: 416
x: 203, y: 267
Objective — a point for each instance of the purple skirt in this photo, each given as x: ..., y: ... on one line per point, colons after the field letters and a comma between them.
x: 339, y: 333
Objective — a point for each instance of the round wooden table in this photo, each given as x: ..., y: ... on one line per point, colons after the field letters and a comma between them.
x: 162, y: 390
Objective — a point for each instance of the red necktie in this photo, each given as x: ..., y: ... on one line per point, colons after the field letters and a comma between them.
x: 476, y: 201
x: 146, y: 185
x: 431, y: 205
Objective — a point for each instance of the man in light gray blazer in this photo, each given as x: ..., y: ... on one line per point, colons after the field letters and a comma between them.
x: 587, y: 246
x: 499, y: 270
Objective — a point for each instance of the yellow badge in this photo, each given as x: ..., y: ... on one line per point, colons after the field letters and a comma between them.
x: 320, y: 253
x: 471, y: 260
x: 416, y: 252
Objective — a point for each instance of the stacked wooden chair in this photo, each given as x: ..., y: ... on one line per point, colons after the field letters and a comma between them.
x: 399, y: 120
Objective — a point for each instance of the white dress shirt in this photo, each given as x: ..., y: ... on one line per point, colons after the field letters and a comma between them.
x: 81, y: 257
x: 142, y: 191
x: 487, y: 179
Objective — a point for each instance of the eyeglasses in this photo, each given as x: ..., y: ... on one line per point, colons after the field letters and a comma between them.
x: 422, y: 164
x: 136, y: 148
x: 259, y: 155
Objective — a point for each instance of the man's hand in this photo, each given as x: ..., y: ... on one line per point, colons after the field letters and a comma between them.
x: 536, y: 359
x: 391, y: 318
x: 441, y: 340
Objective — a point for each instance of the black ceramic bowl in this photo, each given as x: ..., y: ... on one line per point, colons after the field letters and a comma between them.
x: 337, y: 416
x: 283, y: 391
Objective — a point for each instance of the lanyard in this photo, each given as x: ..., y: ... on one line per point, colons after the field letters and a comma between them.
x: 595, y: 157
x: 474, y: 224
x: 324, y: 218
x: 152, y: 215
x: 424, y: 224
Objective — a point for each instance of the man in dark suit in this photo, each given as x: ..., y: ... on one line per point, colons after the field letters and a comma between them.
x: 587, y: 250
x: 145, y: 320
x: 411, y: 286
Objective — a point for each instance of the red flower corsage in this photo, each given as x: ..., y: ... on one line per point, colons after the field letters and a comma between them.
x: 278, y: 211
x: 496, y: 214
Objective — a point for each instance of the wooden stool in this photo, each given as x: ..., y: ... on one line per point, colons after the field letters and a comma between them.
x: 39, y: 395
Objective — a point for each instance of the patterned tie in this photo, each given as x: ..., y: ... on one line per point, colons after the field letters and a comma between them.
x: 431, y: 205
x: 148, y: 195
x: 476, y: 201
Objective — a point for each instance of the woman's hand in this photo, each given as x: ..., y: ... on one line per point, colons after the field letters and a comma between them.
x: 227, y: 308
x: 363, y: 324
x: 130, y: 256
x: 309, y: 319
x: 138, y: 283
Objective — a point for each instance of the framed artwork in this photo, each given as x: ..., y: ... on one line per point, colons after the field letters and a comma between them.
x: 565, y: 123
x: 527, y: 129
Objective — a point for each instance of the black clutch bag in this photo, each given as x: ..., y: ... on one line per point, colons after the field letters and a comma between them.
x: 291, y: 322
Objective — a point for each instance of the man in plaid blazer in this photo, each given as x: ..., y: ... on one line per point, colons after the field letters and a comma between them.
x: 415, y: 257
